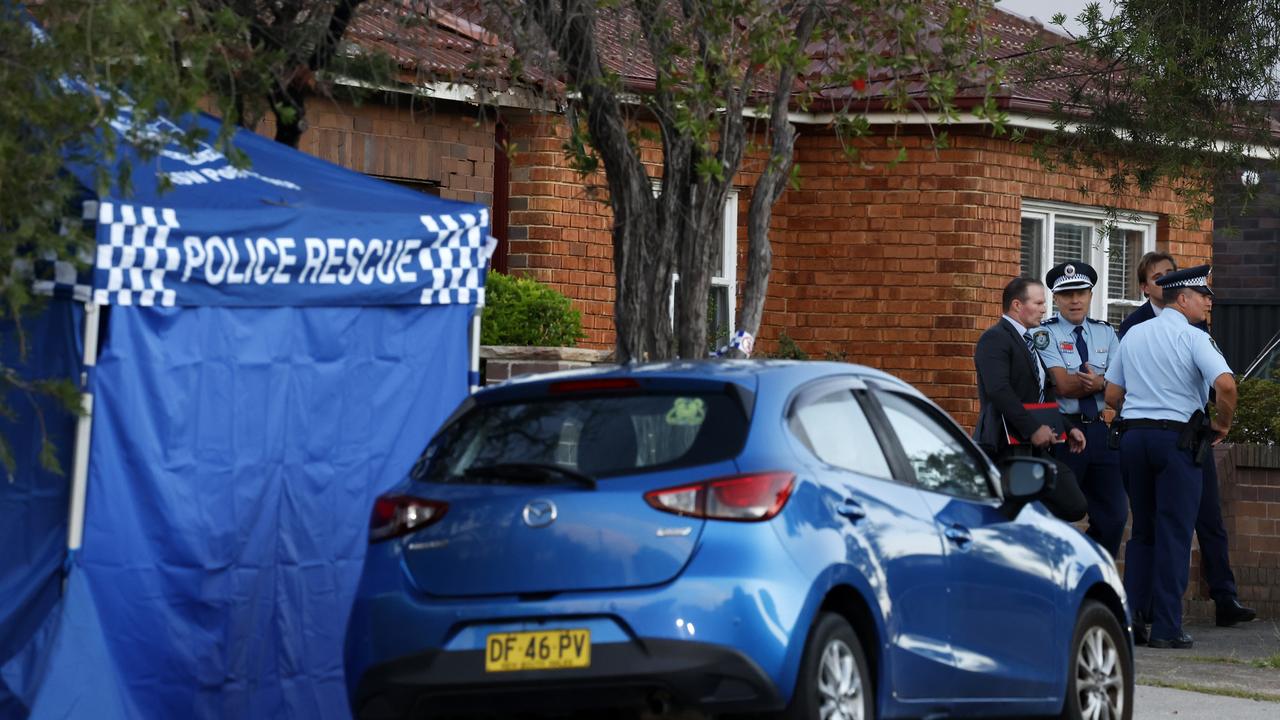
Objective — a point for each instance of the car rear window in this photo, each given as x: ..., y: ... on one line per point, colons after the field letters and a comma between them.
x: 597, y: 436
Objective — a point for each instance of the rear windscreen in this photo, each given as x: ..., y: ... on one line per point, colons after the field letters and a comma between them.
x: 596, y: 436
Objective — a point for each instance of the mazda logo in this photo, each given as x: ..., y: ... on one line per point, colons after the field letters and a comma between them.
x: 539, y: 513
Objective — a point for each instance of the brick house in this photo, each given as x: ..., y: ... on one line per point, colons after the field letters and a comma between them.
x: 899, y: 268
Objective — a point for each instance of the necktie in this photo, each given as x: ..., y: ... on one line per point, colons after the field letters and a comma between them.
x: 1035, y: 358
x: 1088, y: 406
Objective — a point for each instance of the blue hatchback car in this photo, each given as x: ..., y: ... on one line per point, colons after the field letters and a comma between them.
x: 815, y: 540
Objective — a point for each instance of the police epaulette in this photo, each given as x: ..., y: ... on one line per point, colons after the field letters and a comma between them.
x: 1100, y: 322
x: 1051, y: 320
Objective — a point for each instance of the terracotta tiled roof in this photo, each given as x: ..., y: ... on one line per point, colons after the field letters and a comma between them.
x: 425, y: 43
x: 444, y: 40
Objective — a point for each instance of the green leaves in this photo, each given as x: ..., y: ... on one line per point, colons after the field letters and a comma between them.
x: 1166, y: 92
x: 523, y: 311
x: 710, y: 168
x: 1257, y: 418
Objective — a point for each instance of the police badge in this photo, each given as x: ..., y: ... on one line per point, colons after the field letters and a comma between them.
x: 1041, y: 339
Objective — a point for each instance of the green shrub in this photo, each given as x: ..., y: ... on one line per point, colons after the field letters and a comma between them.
x: 788, y: 349
x: 523, y: 311
x: 1257, y: 417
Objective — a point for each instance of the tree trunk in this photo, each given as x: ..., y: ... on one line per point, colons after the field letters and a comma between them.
x: 291, y: 117
x: 642, y: 234
x: 289, y: 101
x: 769, y: 187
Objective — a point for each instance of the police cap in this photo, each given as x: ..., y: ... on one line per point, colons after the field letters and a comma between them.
x: 1073, y: 275
x: 1196, y: 278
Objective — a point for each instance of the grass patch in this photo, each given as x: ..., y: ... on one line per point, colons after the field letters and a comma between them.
x: 1217, y: 660
x: 1269, y: 663
x: 1207, y: 690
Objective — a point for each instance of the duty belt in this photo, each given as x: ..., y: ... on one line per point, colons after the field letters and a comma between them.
x: 1136, y: 423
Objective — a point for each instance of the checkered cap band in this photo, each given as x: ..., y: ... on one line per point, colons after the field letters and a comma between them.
x: 1071, y: 282
x: 1198, y: 281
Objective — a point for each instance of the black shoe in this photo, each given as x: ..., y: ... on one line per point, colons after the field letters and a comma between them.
x: 1182, y: 642
x: 1139, y: 632
x: 1230, y: 612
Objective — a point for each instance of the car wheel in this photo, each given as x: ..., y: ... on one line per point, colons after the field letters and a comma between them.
x: 1100, y: 671
x: 834, y: 683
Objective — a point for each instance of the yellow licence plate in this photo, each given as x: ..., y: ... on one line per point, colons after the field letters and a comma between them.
x: 541, y: 650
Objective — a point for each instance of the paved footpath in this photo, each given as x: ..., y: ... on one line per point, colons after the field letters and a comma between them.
x: 1158, y: 703
x: 1231, y: 673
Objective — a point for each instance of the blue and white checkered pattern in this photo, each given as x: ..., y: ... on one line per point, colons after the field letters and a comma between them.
x: 1192, y: 282
x: 68, y: 283
x: 139, y: 249
x: 456, y: 262
x: 136, y: 255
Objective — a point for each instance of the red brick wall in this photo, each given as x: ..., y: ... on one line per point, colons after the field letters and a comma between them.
x: 442, y: 144
x: 899, y: 268
x: 1249, y: 476
x: 560, y: 224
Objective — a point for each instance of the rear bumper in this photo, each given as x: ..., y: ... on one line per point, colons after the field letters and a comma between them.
x: 643, y: 673
x: 740, y: 612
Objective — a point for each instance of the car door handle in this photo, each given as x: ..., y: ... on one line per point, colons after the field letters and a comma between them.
x: 958, y: 535
x: 852, y: 509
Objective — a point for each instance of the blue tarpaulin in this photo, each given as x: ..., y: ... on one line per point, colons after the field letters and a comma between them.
x: 33, y: 501
x: 278, y: 345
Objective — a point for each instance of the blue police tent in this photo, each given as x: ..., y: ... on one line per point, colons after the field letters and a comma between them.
x: 264, y: 351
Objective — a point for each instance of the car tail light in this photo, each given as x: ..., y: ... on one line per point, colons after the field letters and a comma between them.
x: 396, y: 515
x: 758, y: 496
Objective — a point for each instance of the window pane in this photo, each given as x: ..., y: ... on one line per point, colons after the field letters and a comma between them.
x: 717, y: 317
x: 1071, y: 241
x: 835, y: 430
x: 1117, y: 313
x: 942, y: 461
x: 1122, y: 265
x: 717, y: 260
x: 1032, y: 246
x: 599, y: 436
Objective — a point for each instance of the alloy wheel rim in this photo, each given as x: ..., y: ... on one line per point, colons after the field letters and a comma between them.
x: 839, y: 683
x: 1099, y: 677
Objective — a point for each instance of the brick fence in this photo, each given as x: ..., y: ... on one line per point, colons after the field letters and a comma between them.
x: 1250, y: 479
x: 503, y: 362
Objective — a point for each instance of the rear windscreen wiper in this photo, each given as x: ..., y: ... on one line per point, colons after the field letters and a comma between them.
x: 527, y: 471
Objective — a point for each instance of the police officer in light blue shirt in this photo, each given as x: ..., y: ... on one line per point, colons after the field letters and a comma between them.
x: 1076, y: 348
x: 1157, y: 381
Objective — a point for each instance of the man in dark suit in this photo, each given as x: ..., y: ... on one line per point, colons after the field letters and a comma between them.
x: 1151, y: 267
x: 1011, y: 375
x: 1211, y: 531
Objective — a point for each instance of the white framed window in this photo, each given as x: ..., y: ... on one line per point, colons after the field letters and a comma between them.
x: 1053, y: 233
x: 722, y: 299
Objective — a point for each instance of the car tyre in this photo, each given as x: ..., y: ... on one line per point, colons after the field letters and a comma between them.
x: 1099, y: 669
x: 834, y: 681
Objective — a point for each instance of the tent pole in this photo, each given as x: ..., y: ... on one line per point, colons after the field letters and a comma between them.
x: 475, y: 349
x: 80, y: 467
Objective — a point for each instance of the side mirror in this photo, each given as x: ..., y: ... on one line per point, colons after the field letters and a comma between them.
x: 1024, y: 480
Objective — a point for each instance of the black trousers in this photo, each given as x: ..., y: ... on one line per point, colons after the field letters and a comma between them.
x: 1097, y: 471
x: 1211, y: 531
x: 1215, y: 561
